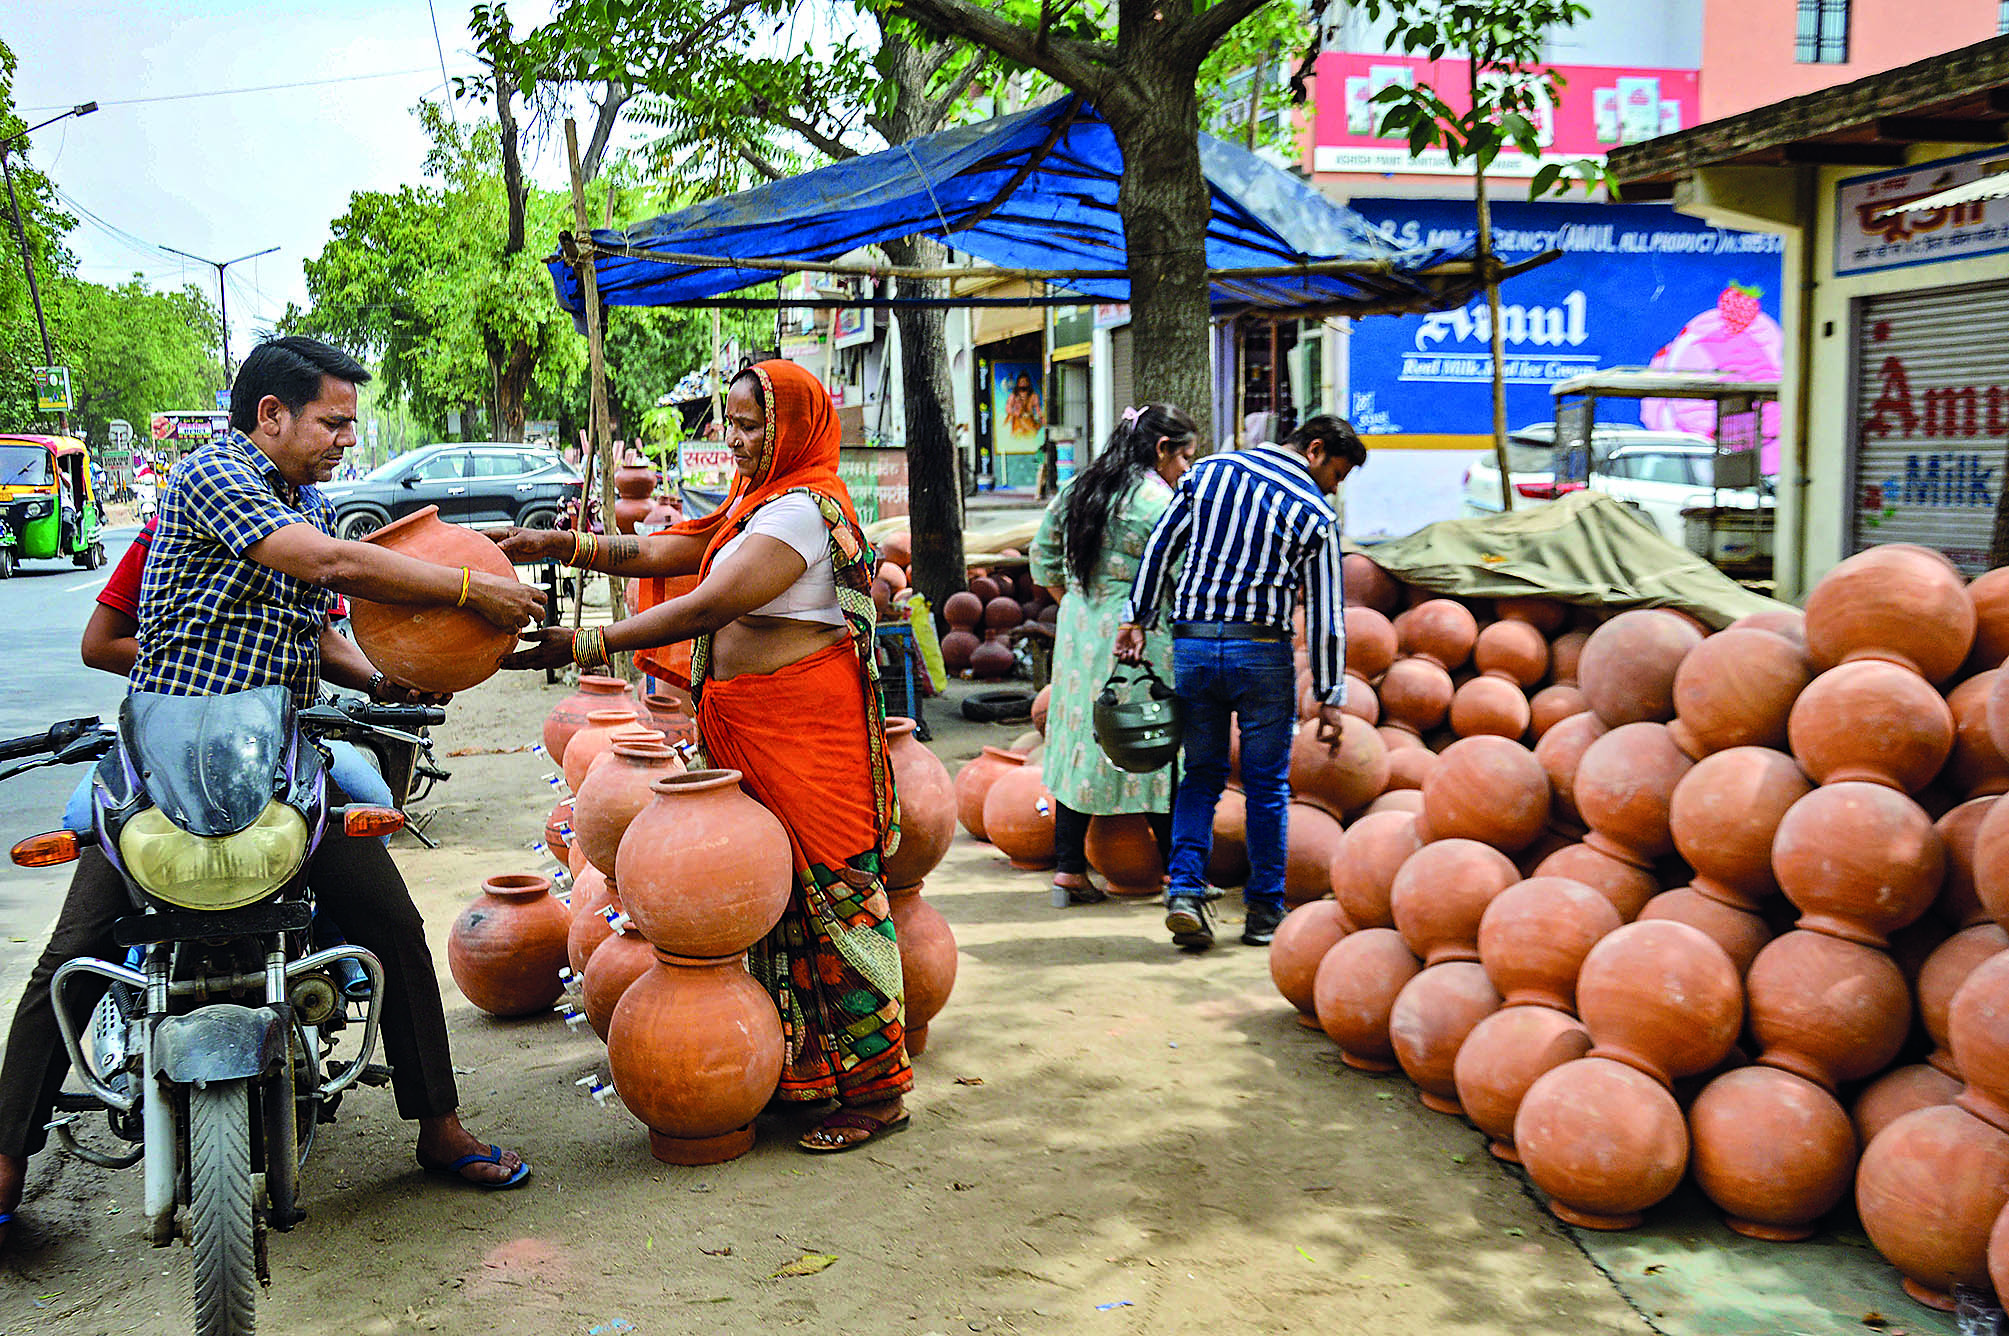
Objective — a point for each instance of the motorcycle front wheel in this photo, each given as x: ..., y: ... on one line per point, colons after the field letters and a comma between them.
x: 221, y: 1224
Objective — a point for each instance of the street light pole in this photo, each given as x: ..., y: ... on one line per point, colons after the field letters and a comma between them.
x: 222, y: 297
x: 21, y: 234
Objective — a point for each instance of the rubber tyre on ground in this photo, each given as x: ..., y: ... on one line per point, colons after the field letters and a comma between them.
x: 6, y: 563
x: 221, y: 1225
x: 358, y: 525
x: 997, y: 707
x: 538, y: 517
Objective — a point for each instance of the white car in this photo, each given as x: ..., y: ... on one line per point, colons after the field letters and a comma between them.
x: 1667, y: 474
x: 1530, y: 459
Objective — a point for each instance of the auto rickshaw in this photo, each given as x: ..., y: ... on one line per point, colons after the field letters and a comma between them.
x: 48, y: 506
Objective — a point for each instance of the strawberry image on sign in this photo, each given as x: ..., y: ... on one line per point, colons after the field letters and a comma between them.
x: 1733, y: 339
x: 1739, y: 306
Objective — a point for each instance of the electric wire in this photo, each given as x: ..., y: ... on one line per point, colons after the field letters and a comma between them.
x: 257, y: 88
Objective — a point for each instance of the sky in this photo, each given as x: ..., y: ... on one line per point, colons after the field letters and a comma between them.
x: 223, y: 176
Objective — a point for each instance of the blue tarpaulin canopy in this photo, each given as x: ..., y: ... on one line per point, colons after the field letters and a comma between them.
x: 1033, y: 191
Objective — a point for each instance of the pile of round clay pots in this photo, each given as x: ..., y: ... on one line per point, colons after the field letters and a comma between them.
x: 1724, y: 905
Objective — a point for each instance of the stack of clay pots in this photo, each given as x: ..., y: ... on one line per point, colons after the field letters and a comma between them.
x: 927, y: 827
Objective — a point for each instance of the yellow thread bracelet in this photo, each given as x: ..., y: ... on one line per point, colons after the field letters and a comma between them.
x: 461, y: 602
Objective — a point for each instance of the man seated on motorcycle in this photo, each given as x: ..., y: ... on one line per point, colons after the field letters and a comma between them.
x: 235, y: 596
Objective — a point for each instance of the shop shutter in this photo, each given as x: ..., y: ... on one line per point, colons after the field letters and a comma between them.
x: 1932, y: 419
x: 1122, y: 384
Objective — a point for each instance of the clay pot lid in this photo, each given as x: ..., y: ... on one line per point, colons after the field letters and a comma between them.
x: 697, y: 781
x: 517, y: 885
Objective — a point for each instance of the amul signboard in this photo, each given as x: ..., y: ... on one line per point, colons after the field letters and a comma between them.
x: 1869, y: 237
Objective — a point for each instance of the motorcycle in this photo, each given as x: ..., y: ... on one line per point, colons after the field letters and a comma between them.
x: 213, y: 1052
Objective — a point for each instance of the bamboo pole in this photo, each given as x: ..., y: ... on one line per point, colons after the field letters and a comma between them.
x: 596, y: 370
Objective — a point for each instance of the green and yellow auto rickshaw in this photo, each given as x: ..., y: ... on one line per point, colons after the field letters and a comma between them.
x: 48, y: 506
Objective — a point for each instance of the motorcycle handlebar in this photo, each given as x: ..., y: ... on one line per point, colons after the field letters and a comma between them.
x: 55, y: 739
x: 395, y: 716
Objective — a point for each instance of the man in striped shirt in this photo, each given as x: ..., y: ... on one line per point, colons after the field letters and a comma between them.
x: 1258, y: 533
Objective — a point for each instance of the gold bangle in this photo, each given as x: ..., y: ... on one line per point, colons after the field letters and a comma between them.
x: 577, y: 535
x: 584, y: 548
x: 589, y: 647
x: 461, y: 602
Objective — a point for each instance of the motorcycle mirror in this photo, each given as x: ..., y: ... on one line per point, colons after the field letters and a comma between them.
x: 370, y: 821
x: 50, y: 849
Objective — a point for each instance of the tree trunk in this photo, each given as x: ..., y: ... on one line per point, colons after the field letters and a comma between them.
x: 1496, y: 334
x: 509, y: 367
x: 934, y: 488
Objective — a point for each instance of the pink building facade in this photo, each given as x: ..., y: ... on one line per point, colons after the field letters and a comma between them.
x: 1756, y: 52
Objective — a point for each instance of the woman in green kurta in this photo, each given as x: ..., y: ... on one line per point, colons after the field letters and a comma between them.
x: 1086, y: 554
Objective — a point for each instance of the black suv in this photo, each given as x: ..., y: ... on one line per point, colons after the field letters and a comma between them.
x: 478, y: 482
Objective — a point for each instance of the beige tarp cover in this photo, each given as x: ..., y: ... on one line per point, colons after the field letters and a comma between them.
x: 1583, y: 548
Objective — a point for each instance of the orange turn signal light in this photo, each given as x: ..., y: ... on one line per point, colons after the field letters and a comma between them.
x: 372, y: 821
x: 47, y: 850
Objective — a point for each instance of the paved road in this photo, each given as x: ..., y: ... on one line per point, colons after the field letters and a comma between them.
x: 42, y: 614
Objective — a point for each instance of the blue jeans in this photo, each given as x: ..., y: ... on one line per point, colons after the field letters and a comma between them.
x: 1255, y: 682
x: 351, y: 770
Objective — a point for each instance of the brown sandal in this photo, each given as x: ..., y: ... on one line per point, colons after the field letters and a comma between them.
x: 845, y: 1120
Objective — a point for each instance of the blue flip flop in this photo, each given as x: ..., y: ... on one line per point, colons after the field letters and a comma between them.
x: 493, y: 1155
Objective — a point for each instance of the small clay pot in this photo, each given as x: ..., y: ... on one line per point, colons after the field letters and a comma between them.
x: 1340, y: 779
x: 1441, y: 630
x: 1370, y: 854
x: 1774, y: 1152
x: 1490, y: 707
x: 1977, y: 767
x: 1859, y: 860
x: 1544, y: 614
x: 1959, y: 904
x: 1534, y: 935
x: 1603, y: 1140
x: 1566, y: 657
x: 1441, y: 893
x: 1629, y: 664
x: 1368, y: 585
x: 1301, y: 941
x: 927, y: 806
x: 985, y: 588
x: 1512, y: 650
x: 589, y: 743
x: 1370, y: 642
x: 506, y: 948
x: 1228, y: 861
x: 1489, y: 789
x: 1551, y: 705
x: 1940, y: 979
x: 1431, y: 1017
x: 958, y: 647
x: 1871, y: 721
x: 1354, y: 992
x: 963, y: 610
x: 992, y: 661
x: 704, y: 870
x: 1827, y: 1010
x: 568, y: 716
x: 1627, y: 885
x: 436, y: 647
x: 1415, y: 695
x: 1661, y: 997
x: 1897, y: 1092
x: 1311, y: 837
x: 927, y: 962
x: 1899, y: 603
x: 1724, y: 815
x: 1624, y: 789
x: 1736, y: 689
x: 1125, y: 851
x: 973, y: 785
x: 1561, y: 752
x: 1741, y: 933
x: 1929, y: 1189
x: 614, y: 794
x: 1504, y: 1055
x: 1018, y: 816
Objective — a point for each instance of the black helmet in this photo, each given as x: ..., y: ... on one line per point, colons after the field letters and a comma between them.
x: 1138, y: 735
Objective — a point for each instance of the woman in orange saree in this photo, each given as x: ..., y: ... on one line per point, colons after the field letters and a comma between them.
x: 786, y: 692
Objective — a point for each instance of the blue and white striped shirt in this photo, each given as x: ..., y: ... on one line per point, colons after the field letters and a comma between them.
x: 1257, y: 533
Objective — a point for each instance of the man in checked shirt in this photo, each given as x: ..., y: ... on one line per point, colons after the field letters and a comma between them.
x: 1258, y: 533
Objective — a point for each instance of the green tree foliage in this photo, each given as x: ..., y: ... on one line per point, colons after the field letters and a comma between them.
x: 133, y: 352
x: 45, y: 223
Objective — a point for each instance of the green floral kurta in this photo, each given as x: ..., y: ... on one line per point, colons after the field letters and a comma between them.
x: 1084, y: 651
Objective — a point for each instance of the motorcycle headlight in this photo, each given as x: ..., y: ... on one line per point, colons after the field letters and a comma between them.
x: 226, y: 872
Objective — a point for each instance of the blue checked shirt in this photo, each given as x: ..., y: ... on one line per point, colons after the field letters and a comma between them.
x: 1257, y: 532
x: 212, y: 620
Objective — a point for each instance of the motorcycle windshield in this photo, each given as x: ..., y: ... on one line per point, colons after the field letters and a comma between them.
x: 210, y: 763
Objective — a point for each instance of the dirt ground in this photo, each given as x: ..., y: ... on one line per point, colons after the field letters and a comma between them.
x: 1110, y: 1135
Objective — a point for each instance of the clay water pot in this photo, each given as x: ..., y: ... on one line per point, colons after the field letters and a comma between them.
x: 1504, y: 1055
x: 1370, y: 854
x: 1550, y: 706
x: 1490, y: 707
x: 614, y: 794
x: 1741, y: 933
x: 1441, y: 893
x: 1488, y: 789
x: 1858, y: 860
x: 1555, y: 836
x: 927, y: 805
x: 1940, y: 979
x: 506, y: 948
x: 991, y: 661
x: 620, y: 959
x: 1827, y: 1010
x: 1786, y: 623
x: 1871, y: 721
x: 1533, y: 938
x: 1897, y: 1092
x: 1959, y: 903
x: 1370, y: 642
x: 1561, y: 751
x: 1439, y: 630
x: 1002, y: 613
x: 1362, y: 702
x: 963, y: 610
x: 590, y: 890
x: 1410, y: 768
x: 1125, y: 851
x: 1566, y: 657
x: 1774, y: 1152
x: 437, y: 648
x: 1602, y: 1140
x: 1409, y: 801
x: 1977, y: 1030
x: 1724, y: 815
x: 1415, y: 695
x: 568, y: 716
x: 670, y: 716
x: 1311, y: 837
x: 1302, y: 939
x: 1513, y: 651
x: 1989, y: 593
x: 898, y: 547
x: 1544, y: 614
x: 1661, y: 997
x: 984, y: 588
x: 1736, y: 689
x: 1429, y: 1021
x: 704, y: 870
x: 1228, y: 860
x: 695, y: 1050
x: 1354, y: 992
x: 629, y: 512
x: 1018, y: 816
x: 957, y: 648
x: 590, y: 742
x: 1977, y: 767
x: 1342, y: 779
x: 973, y: 785
x: 1899, y: 603
x: 1629, y: 664
x: 927, y: 962
x: 1624, y: 789
x: 1929, y: 1189
x: 1042, y: 706
x: 1991, y: 862
x: 634, y: 482
x: 1367, y: 585
x: 1627, y: 885
x: 558, y: 830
